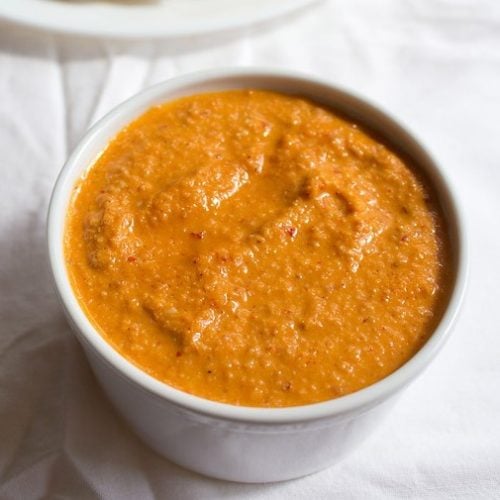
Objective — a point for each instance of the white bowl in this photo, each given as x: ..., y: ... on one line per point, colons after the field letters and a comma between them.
x: 234, y: 442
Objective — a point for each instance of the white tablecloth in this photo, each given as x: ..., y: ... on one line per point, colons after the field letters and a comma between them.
x: 433, y: 63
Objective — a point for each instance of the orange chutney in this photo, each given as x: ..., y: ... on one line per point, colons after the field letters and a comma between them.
x: 257, y: 249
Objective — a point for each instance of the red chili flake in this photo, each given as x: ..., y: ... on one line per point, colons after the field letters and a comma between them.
x: 198, y: 235
x: 404, y: 237
x: 131, y: 258
x: 222, y: 257
x: 178, y: 354
x: 291, y: 231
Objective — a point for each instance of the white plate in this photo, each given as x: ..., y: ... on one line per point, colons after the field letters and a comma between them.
x: 143, y: 18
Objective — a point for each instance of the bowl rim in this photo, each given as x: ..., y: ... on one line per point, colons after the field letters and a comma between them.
x: 359, y: 400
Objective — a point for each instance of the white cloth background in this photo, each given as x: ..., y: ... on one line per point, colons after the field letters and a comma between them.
x: 433, y: 63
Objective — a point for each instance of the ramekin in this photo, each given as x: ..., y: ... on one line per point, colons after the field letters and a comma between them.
x: 234, y: 442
